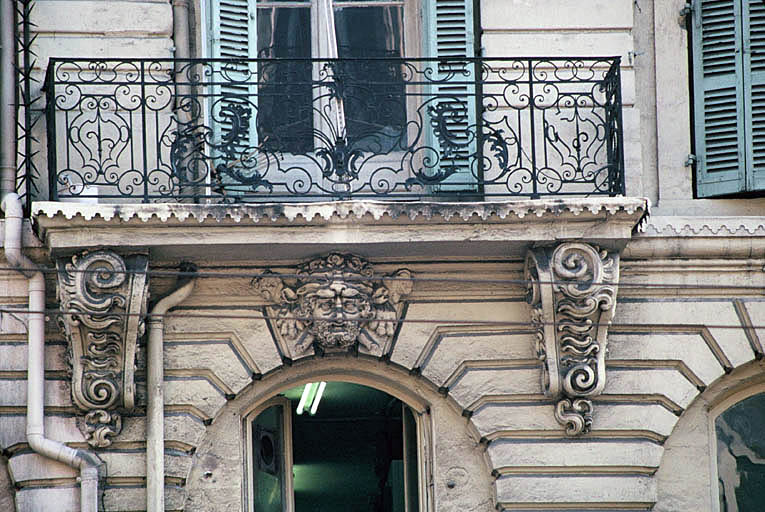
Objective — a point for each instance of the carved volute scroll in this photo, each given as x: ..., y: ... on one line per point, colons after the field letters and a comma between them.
x: 103, y: 299
x: 572, y: 291
x: 336, y: 304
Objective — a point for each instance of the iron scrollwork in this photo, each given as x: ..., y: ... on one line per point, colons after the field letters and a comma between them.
x: 103, y: 301
x: 335, y: 304
x: 572, y: 292
x: 250, y: 130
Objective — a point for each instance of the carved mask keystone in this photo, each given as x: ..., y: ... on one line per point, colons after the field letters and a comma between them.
x: 103, y: 298
x: 572, y: 291
x: 336, y: 303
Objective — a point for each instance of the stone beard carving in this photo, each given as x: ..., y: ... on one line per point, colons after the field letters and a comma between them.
x: 104, y: 303
x: 336, y: 304
x: 572, y: 290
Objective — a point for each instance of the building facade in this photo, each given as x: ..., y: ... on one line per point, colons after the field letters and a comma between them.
x: 389, y: 255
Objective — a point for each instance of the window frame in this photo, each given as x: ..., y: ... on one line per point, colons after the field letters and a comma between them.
x: 413, y: 40
x: 286, y: 451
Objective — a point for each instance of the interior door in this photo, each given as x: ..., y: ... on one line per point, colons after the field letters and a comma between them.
x: 411, y: 463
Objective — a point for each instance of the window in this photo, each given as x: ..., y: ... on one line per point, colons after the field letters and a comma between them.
x: 292, y: 112
x: 740, y: 440
x: 324, y: 447
x: 293, y: 109
x: 729, y: 96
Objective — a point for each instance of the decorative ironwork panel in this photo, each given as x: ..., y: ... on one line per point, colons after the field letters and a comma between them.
x: 103, y: 296
x: 29, y: 105
x: 572, y: 292
x: 301, y: 129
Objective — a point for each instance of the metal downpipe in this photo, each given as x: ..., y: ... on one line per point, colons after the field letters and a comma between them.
x: 7, y: 99
x: 155, y: 407
x: 86, y: 462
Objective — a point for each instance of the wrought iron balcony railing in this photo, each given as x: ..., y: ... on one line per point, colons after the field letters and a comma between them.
x: 306, y: 129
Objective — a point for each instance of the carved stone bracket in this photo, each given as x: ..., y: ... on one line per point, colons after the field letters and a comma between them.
x: 103, y: 298
x: 335, y: 304
x: 572, y: 290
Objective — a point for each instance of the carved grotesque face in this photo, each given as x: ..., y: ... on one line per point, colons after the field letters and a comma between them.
x: 338, y: 310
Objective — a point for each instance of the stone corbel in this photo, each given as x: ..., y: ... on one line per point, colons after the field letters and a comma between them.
x: 572, y: 291
x: 103, y: 299
x: 336, y: 304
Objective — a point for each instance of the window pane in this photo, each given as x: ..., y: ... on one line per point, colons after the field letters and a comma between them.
x: 285, y: 118
x: 741, y: 455
x: 369, y: 31
x: 284, y: 32
x: 374, y: 100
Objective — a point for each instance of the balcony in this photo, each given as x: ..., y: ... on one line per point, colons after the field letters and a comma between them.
x: 297, y: 130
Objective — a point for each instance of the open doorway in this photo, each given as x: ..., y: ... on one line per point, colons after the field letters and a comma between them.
x: 333, y: 446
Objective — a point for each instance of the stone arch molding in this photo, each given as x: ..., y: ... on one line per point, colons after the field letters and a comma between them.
x: 461, y: 475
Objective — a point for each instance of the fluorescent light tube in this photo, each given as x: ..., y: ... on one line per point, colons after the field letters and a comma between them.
x: 317, y: 398
x: 304, y: 398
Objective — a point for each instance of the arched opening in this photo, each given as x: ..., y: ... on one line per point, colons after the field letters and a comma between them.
x: 454, y: 472
x: 711, y: 437
x: 333, y: 445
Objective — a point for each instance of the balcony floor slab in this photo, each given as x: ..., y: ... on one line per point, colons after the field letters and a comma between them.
x: 378, y: 229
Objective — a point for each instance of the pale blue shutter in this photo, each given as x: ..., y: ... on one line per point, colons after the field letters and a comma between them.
x: 233, y: 37
x: 718, y: 97
x: 449, y: 33
x: 754, y: 92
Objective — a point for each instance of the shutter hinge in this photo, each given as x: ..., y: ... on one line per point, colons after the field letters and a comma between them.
x: 686, y: 11
x: 690, y: 160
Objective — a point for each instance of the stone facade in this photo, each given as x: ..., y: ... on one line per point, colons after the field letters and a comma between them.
x: 679, y: 316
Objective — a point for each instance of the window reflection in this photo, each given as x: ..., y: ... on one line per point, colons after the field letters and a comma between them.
x: 285, y: 117
x: 291, y: 109
x: 740, y: 433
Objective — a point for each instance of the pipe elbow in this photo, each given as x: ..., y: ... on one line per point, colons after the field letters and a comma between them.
x: 37, y: 283
x: 89, y: 463
x: 53, y: 450
x: 175, y: 298
x: 11, y: 205
x: 14, y: 217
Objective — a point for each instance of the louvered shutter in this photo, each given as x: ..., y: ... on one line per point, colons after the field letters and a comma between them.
x: 233, y: 37
x: 718, y: 97
x: 754, y: 91
x: 449, y: 33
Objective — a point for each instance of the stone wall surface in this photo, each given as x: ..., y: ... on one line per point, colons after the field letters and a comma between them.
x: 481, y: 381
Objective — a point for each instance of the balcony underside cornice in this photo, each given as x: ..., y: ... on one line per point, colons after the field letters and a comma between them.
x: 375, y: 228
